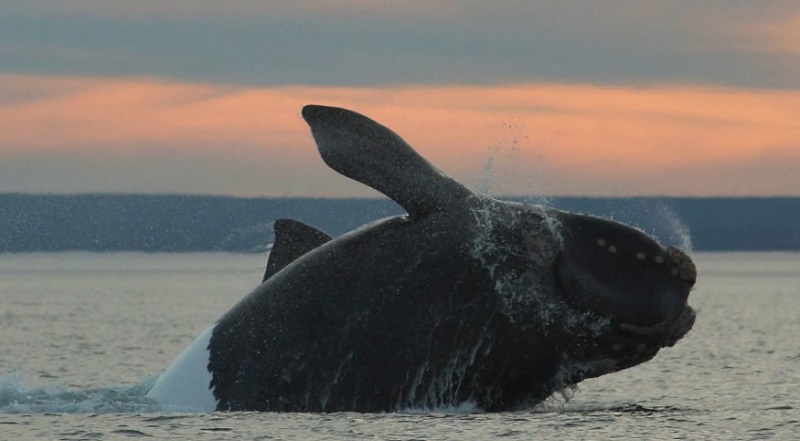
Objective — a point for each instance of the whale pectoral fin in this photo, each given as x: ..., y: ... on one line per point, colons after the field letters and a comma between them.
x: 292, y: 240
x: 370, y: 153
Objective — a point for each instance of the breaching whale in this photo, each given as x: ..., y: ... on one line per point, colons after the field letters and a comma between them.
x: 465, y: 299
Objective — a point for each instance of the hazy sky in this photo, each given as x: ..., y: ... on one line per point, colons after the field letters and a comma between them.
x: 611, y: 98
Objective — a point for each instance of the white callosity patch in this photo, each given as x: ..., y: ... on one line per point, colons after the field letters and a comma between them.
x: 185, y: 384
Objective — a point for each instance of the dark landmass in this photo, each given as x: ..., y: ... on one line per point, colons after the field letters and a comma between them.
x: 156, y: 223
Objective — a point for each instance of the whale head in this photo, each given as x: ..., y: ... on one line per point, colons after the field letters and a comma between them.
x: 620, y: 273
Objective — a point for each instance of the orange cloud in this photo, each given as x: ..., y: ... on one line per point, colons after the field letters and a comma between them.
x: 598, y: 135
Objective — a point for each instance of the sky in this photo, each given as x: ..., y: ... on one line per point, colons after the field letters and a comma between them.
x: 619, y: 98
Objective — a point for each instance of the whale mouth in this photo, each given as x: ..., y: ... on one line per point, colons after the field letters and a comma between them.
x: 629, y: 345
x: 666, y: 333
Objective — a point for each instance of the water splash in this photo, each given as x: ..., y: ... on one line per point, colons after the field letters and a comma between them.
x: 487, y: 177
x: 17, y: 398
x: 506, y: 153
x: 677, y: 228
x: 465, y: 408
x: 656, y: 218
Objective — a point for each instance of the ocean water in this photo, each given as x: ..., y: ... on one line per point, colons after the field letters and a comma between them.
x: 83, y: 335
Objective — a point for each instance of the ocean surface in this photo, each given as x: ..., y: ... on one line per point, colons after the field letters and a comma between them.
x: 83, y: 335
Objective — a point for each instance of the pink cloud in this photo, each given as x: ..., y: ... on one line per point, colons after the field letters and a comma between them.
x: 581, y: 139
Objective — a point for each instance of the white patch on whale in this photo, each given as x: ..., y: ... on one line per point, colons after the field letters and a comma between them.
x: 185, y: 385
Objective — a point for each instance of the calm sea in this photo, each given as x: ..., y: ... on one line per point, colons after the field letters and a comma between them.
x: 83, y: 335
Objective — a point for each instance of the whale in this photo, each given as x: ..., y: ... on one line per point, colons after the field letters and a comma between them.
x: 464, y: 300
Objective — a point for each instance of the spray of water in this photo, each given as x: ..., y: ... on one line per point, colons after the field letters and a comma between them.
x: 657, y: 218
x: 678, y: 230
x: 17, y: 398
x: 508, y: 165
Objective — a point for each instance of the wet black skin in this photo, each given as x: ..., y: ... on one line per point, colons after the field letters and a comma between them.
x: 379, y: 320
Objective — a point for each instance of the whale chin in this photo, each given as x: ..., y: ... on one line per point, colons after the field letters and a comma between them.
x: 623, y: 345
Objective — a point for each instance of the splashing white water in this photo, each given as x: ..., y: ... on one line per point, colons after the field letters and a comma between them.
x: 657, y: 219
x: 679, y: 231
x: 16, y: 398
x: 508, y: 153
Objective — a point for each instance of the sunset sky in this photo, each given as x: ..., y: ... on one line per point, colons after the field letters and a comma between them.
x: 618, y: 98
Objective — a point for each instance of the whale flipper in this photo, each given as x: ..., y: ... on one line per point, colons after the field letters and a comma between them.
x: 370, y: 153
x: 292, y: 240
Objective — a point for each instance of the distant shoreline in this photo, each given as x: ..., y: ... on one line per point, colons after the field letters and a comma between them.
x: 195, y: 223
